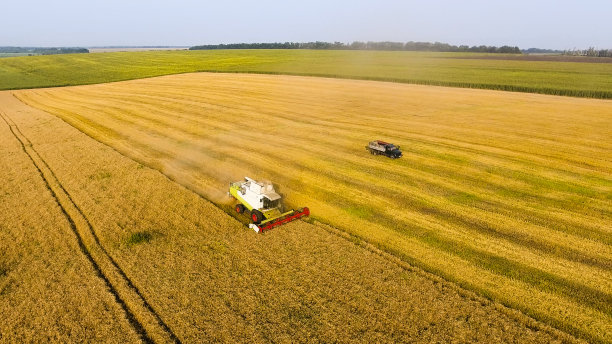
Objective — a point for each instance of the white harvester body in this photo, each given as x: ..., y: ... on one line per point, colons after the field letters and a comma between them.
x: 263, y: 203
x: 259, y: 195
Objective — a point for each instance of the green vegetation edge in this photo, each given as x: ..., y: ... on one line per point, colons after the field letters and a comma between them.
x: 466, y: 70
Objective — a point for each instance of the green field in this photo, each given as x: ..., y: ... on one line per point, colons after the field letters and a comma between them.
x: 444, y: 69
x: 13, y: 54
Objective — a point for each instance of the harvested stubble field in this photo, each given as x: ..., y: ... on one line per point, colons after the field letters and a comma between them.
x: 49, y: 291
x: 195, y: 274
x: 506, y: 194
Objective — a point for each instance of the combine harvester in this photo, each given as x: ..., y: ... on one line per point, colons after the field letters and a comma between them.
x: 263, y: 203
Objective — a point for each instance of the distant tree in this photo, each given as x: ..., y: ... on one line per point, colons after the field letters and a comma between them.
x: 591, y: 52
x: 544, y: 51
x: 42, y: 51
x: 604, y: 53
x: 357, y: 45
x: 509, y: 50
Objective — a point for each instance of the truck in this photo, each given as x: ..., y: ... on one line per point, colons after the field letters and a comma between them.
x: 379, y: 147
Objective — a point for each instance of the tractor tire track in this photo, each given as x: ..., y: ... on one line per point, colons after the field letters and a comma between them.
x: 147, y: 323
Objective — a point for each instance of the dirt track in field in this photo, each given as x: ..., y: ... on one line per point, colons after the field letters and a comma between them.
x: 106, y: 268
x: 203, y: 273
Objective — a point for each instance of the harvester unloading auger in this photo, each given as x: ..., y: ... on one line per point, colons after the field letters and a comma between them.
x: 263, y: 204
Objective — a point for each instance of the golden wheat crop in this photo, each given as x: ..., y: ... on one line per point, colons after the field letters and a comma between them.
x: 206, y: 276
x: 48, y: 291
x: 507, y: 194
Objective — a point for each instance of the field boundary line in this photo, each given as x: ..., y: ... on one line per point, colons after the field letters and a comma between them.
x: 131, y: 300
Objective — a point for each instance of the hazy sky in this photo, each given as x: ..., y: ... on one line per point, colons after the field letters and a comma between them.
x: 560, y: 24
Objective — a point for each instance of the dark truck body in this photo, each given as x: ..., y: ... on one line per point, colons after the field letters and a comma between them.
x: 384, y: 148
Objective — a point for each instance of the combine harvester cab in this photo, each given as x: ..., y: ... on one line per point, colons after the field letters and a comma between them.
x: 263, y: 204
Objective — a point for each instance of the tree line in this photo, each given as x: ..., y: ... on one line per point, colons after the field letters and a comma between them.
x: 42, y: 51
x: 394, y: 46
x: 542, y: 51
x: 589, y: 52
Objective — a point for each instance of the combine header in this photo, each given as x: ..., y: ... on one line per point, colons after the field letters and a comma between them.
x: 263, y: 204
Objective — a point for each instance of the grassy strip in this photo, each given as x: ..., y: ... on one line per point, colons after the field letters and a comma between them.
x: 556, y: 78
x: 483, y: 86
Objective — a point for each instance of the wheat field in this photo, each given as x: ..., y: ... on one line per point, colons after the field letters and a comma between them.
x: 48, y: 291
x: 505, y: 194
x: 196, y: 274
